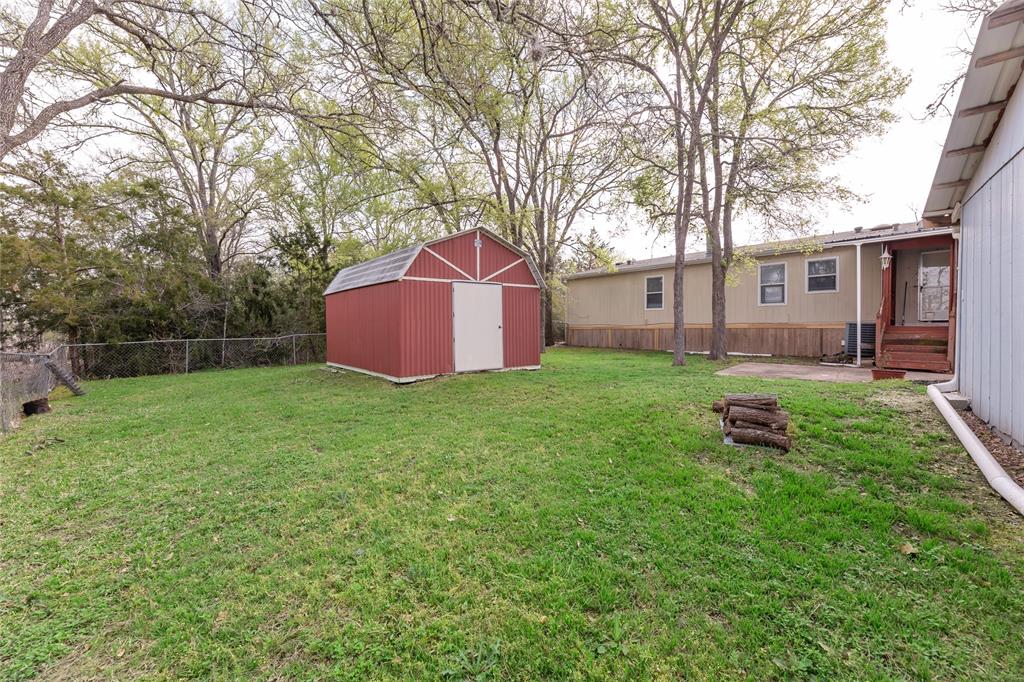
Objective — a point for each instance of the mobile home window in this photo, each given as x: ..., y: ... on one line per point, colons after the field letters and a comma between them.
x: 821, y: 275
x: 655, y: 293
x: 772, y: 283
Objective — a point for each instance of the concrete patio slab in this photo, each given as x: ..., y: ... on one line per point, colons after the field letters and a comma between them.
x: 841, y: 375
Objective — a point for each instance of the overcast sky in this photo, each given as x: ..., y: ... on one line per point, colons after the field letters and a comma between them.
x: 892, y: 172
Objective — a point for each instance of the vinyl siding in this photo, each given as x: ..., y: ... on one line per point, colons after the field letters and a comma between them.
x: 617, y: 299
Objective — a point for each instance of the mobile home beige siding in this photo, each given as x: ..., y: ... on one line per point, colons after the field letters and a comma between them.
x: 610, y: 310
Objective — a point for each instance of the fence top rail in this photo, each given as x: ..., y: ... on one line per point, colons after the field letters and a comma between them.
x: 131, y: 343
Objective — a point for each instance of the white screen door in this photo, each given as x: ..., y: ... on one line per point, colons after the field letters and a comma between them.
x: 476, y: 326
x: 933, y: 300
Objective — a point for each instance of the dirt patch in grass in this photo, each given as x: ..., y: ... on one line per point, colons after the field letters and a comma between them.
x: 908, y: 402
x: 1009, y: 457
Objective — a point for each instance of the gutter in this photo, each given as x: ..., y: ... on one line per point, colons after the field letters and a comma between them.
x: 702, y: 259
x: 993, y: 472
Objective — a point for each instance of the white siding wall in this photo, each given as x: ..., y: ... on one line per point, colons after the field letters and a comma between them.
x: 991, y: 309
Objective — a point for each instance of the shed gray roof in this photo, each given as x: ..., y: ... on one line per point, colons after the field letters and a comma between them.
x: 888, y: 232
x: 994, y: 72
x: 386, y: 268
x: 392, y: 266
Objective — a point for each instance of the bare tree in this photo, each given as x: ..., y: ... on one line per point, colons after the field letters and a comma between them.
x: 30, y: 41
x: 661, y: 40
x: 973, y: 11
x: 207, y: 150
x: 486, y: 118
x: 797, y: 84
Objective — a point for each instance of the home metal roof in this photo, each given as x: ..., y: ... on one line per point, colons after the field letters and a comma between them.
x: 993, y: 74
x: 393, y: 266
x: 879, y: 233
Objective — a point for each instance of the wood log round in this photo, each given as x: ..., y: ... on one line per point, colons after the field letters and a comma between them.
x: 768, y: 399
x: 759, y: 437
x: 753, y: 405
x: 776, y: 420
x: 751, y: 425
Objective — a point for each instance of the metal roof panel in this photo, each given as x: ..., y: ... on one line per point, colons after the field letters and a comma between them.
x: 386, y: 268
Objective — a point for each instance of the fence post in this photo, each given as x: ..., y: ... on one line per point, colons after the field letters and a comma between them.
x: 5, y: 425
x: 293, y: 350
x: 186, y: 356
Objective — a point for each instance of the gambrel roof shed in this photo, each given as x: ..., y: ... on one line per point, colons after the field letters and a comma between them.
x: 395, y: 265
x: 465, y: 302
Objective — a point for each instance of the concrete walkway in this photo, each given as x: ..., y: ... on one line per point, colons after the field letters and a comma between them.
x: 842, y: 375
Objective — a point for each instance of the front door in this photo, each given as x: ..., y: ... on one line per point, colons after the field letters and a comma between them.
x: 933, y: 292
x: 476, y: 326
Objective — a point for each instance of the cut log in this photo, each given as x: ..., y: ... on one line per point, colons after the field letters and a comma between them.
x: 752, y: 405
x: 751, y: 425
x: 759, y: 437
x: 776, y: 420
x: 718, y: 406
x: 769, y: 399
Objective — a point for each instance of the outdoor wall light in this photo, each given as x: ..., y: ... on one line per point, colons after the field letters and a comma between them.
x: 886, y: 258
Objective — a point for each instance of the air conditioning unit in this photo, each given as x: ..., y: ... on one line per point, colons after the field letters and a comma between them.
x: 867, y: 339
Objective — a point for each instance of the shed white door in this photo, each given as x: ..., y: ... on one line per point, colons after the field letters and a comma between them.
x: 476, y: 326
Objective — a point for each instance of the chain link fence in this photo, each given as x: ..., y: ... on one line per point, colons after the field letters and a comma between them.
x: 24, y: 376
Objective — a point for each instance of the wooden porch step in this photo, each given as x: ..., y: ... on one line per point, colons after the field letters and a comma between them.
x: 926, y: 361
x: 928, y: 348
x: 917, y: 333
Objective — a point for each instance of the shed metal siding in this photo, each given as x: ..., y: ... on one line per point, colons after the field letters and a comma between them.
x: 459, y: 251
x: 517, y: 274
x: 426, y: 328
x: 521, y: 326
x: 403, y: 328
x: 495, y: 256
x: 991, y: 308
x: 429, y: 265
x: 362, y: 330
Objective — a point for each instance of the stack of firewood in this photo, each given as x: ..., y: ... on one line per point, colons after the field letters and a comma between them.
x: 754, y: 419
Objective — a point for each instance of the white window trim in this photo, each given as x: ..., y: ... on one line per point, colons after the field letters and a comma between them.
x: 785, y: 283
x: 807, y: 275
x: 647, y: 279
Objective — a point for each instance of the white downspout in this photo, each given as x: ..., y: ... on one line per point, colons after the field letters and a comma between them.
x: 993, y: 472
x: 954, y: 383
x: 858, y: 305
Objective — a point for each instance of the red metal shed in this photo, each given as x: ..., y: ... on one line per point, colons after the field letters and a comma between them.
x: 463, y: 303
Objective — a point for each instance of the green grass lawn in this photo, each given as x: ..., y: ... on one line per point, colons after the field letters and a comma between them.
x: 582, y: 521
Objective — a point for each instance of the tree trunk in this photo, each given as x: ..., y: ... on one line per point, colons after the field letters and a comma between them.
x: 214, y: 265
x: 684, y: 171
x: 549, y: 318
x: 678, y: 329
x: 549, y: 266
x: 718, y: 350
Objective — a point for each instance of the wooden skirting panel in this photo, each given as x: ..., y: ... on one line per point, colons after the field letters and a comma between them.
x: 799, y: 341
